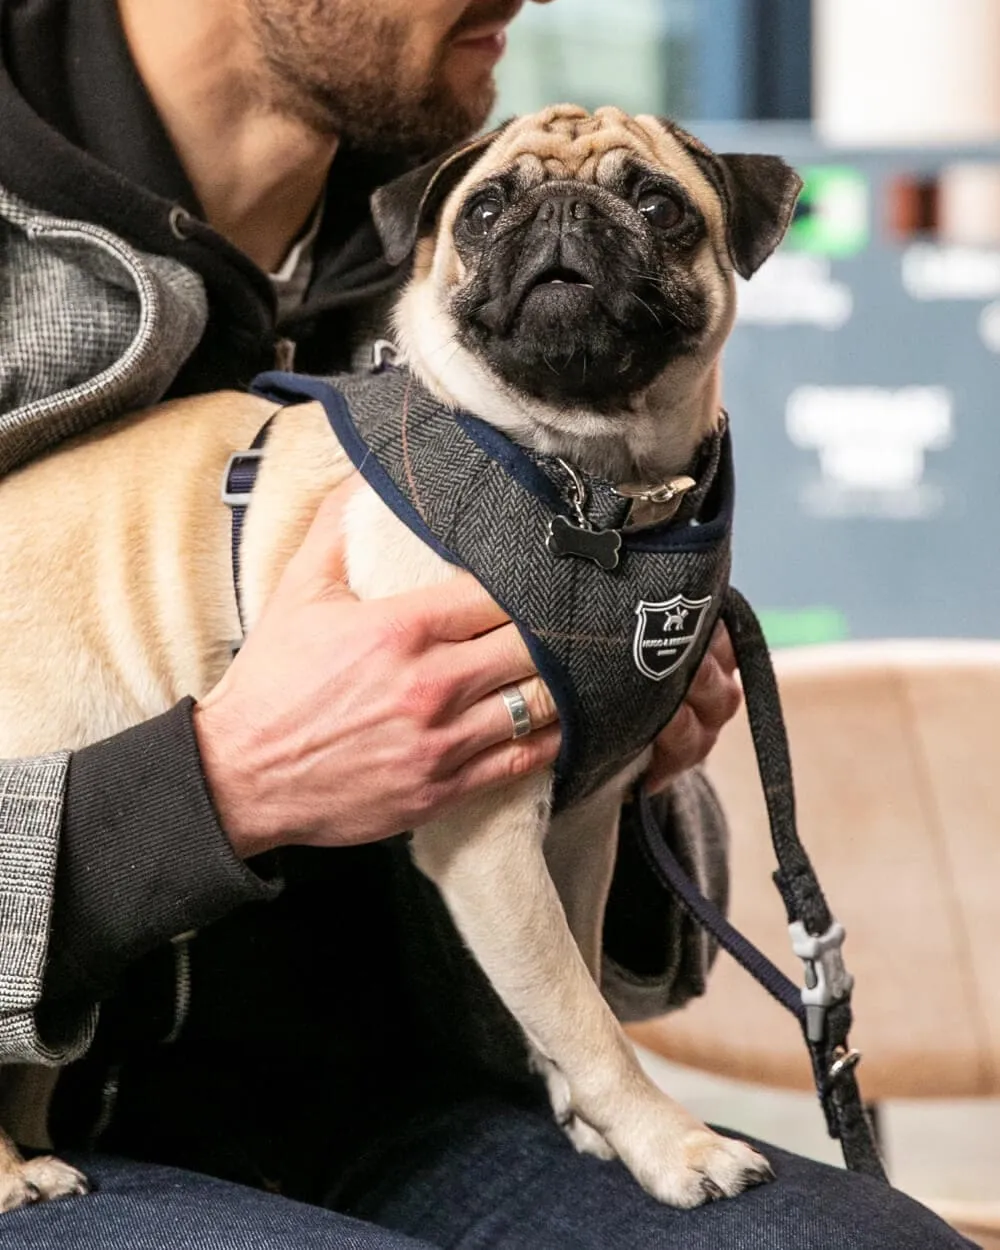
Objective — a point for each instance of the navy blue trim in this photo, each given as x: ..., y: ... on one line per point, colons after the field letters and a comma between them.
x: 289, y: 388
x: 667, y: 869
x: 514, y: 459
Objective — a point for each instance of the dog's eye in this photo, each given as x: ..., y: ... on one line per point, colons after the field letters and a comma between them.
x: 659, y: 209
x: 483, y: 215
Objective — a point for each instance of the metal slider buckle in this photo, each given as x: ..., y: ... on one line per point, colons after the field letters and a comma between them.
x: 827, y: 980
x: 237, y: 498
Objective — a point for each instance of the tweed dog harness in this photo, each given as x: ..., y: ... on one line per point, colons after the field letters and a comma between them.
x: 617, y: 621
x: 484, y: 503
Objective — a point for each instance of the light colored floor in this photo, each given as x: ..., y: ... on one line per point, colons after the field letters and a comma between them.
x: 933, y: 1150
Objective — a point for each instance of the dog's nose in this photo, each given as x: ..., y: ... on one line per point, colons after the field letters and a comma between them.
x: 560, y: 211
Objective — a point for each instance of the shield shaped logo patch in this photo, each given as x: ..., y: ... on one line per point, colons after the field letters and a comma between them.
x: 665, y: 632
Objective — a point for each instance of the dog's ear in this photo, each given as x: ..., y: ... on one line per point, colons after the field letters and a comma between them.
x: 758, y: 196
x: 402, y: 208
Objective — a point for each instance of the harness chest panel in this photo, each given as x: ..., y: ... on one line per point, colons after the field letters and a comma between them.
x: 616, y: 647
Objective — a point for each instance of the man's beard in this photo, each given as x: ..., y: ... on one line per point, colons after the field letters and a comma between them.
x: 345, y: 71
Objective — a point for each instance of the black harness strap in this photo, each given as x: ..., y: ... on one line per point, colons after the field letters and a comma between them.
x: 823, y: 1008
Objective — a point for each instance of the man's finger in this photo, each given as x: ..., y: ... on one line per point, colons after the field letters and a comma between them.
x: 455, y: 611
x: 482, y: 665
x: 721, y: 647
x: 510, y: 760
x: 488, y: 723
x: 714, y: 695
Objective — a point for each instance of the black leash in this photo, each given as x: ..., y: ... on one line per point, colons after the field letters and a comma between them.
x: 823, y: 1007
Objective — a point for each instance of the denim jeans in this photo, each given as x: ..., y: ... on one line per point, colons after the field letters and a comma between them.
x: 483, y: 1175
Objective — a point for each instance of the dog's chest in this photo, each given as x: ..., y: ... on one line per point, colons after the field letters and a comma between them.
x: 384, y: 556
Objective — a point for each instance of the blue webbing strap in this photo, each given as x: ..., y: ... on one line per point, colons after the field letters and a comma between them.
x: 667, y: 869
x: 238, y: 482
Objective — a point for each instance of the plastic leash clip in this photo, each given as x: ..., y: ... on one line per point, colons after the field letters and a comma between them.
x: 827, y: 979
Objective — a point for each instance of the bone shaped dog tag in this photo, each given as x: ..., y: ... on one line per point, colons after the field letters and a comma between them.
x: 567, y: 539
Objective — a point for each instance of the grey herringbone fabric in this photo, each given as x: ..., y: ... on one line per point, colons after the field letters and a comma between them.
x: 469, y: 488
x: 90, y: 328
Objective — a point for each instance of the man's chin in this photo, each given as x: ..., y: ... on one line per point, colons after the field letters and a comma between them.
x: 470, y: 84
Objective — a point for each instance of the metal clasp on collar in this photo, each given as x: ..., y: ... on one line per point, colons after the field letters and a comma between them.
x: 665, y: 493
x: 827, y: 980
x: 385, y: 354
x: 577, y: 494
x: 237, y: 498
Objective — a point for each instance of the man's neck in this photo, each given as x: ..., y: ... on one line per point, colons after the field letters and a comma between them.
x: 258, y: 174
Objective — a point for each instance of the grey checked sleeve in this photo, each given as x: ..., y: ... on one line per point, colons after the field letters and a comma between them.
x: 31, y: 809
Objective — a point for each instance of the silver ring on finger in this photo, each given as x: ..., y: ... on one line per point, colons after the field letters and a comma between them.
x: 518, y: 711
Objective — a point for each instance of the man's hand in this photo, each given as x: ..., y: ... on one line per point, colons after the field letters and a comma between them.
x: 342, y: 721
x: 713, y: 698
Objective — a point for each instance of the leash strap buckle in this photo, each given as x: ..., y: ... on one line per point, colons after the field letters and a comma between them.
x: 827, y: 980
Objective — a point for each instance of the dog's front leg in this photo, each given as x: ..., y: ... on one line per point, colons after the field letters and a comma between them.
x: 487, y: 860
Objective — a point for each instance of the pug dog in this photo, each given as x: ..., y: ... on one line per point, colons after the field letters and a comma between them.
x: 572, y: 285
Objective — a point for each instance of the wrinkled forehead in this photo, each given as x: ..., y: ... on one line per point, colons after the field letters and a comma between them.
x: 567, y: 142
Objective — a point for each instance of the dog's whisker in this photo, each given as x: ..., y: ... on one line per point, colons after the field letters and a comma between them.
x: 638, y: 299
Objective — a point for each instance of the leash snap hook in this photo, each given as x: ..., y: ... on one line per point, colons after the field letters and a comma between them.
x: 827, y: 979
x: 577, y: 494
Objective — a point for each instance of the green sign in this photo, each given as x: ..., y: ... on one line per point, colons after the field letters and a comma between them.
x: 832, y: 217
x: 798, y: 628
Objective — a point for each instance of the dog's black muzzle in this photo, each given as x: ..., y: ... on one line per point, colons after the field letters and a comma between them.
x: 569, y: 303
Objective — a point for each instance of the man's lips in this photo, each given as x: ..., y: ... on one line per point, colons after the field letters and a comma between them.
x: 486, y: 31
x: 490, y: 40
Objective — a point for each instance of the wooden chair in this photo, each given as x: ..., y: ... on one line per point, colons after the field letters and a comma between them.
x: 896, y: 756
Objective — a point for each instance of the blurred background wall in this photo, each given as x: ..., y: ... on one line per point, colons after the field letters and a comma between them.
x: 862, y: 378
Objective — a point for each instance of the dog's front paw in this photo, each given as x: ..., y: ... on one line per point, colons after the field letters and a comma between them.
x: 40, y: 1180
x: 699, y: 1166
